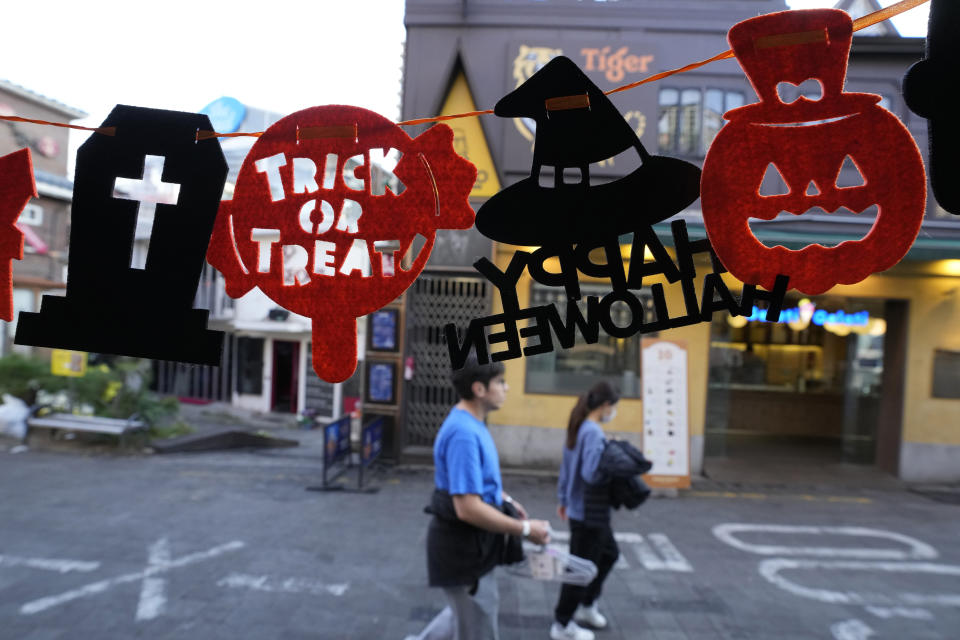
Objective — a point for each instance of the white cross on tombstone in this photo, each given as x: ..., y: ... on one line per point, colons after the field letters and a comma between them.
x: 149, y: 191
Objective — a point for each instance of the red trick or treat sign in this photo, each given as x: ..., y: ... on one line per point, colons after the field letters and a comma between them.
x: 321, y: 235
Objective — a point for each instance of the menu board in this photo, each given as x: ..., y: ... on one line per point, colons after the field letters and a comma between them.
x: 666, y: 433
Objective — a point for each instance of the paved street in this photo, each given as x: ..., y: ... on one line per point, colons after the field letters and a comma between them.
x: 231, y: 545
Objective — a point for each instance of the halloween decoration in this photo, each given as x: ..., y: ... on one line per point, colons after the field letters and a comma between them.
x: 808, y: 141
x: 577, y: 125
x: 323, y: 234
x: 498, y: 337
x: 16, y: 188
x: 112, y: 306
x: 930, y: 89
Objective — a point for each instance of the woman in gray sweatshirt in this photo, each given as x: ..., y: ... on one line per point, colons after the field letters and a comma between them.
x: 590, y: 534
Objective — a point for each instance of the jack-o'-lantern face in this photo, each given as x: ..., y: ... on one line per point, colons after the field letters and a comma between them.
x: 840, y: 158
x: 814, y: 163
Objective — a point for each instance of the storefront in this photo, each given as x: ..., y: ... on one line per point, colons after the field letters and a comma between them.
x: 806, y: 385
x: 879, y: 385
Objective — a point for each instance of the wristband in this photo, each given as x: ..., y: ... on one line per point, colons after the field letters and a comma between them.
x: 526, y: 528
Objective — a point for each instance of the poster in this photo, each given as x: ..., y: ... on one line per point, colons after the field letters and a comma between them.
x: 383, y: 330
x: 666, y: 436
x: 381, y: 382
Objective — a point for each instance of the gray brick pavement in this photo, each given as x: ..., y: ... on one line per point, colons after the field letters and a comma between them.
x: 298, y: 543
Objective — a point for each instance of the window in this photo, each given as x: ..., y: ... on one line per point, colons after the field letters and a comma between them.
x: 32, y: 214
x: 946, y: 374
x: 573, y: 371
x: 691, y: 118
x: 250, y: 365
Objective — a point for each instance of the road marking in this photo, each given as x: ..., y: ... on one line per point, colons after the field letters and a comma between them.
x: 916, y: 549
x: 673, y: 559
x: 669, y: 558
x: 288, y: 585
x: 42, y: 604
x: 647, y: 557
x: 770, y: 570
x: 851, y: 630
x: 153, y: 598
x: 900, y: 612
x: 49, y: 564
x: 745, y: 495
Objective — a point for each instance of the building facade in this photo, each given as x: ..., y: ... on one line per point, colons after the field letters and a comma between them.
x: 45, y: 221
x: 866, y: 373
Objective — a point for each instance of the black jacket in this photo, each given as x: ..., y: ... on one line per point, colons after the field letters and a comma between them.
x: 621, y: 464
x: 459, y: 553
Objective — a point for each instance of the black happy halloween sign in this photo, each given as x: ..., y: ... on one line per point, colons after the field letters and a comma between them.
x: 548, y: 327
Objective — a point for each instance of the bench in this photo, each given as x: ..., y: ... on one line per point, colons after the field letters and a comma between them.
x: 89, y: 424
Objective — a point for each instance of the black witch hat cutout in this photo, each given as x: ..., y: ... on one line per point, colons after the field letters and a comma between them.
x: 577, y: 125
x: 931, y: 92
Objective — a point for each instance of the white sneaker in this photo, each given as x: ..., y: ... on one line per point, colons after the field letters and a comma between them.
x: 590, y: 616
x: 572, y: 631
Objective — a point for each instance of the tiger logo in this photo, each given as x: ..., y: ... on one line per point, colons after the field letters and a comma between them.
x: 528, y: 62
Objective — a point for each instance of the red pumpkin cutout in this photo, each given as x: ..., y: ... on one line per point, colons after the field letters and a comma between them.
x: 807, y: 141
x: 16, y: 188
x: 309, y: 226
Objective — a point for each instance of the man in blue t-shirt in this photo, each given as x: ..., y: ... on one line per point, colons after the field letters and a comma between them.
x: 462, y: 541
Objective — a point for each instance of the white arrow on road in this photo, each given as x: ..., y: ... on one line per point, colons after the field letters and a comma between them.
x: 153, y: 597
x: 42, y: 604
x: 851, y: 630
x: 770, y: 569
x: 914, y: 549
x: 286, y: 585
x: 49, y: 564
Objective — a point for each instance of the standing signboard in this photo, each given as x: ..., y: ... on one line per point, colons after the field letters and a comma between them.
x: 372, y: 442
x: 666, y: 434
x: 336, y: 448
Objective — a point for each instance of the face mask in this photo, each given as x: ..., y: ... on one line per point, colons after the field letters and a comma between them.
x: 610, y: 416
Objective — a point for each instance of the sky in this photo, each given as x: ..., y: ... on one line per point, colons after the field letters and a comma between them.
x: 280, y: 55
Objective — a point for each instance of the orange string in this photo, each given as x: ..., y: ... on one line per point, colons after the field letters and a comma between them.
x: 107, y: 131
x: 442, y: 118
x: 666, y: 74
x: 883, y: 14
x: 860, y: 23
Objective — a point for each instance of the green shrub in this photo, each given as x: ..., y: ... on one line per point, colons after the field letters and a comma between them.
x: 23, y: 377
x: 117, y: 391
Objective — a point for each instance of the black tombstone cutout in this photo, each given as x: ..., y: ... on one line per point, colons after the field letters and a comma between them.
x: 931, y: 91
x: 111, y: 307
x: 584, y: 128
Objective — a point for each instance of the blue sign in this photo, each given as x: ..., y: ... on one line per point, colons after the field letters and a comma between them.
x: 336, y: 441
x: 383, y: 334
x: 372, y: 440
x: 226, y: 114
x: 818, y: 317
x: 380, y: 382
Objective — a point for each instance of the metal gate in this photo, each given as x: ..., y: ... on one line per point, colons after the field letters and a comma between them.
x: 434, y: 301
